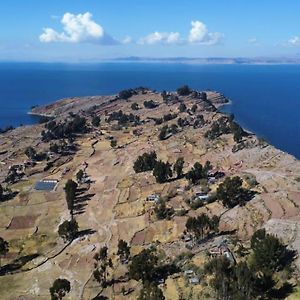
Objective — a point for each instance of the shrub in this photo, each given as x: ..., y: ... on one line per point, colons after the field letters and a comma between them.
x: 184, y: 90
x: 134, y: 106
x: 150, y: 104
x: 96, y: 121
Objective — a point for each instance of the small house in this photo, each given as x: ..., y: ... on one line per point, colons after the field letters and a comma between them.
x: 194, y: 280
x: 153, y: 197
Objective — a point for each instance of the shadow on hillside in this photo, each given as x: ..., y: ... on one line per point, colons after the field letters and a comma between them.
x: 80, y: 203
x: 17, y: 264
x: 84, y: 232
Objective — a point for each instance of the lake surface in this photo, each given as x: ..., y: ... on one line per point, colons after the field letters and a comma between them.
x: 265, y: 99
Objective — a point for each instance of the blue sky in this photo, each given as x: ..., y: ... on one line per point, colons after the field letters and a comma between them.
x: 91, y: 30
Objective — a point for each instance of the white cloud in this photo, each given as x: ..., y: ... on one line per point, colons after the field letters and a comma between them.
x: 199, y: 34
x: 294, y: 41
x: 253, y: 41
x: 127, y: 40
x: 161, y: 38
x: 77, y: 29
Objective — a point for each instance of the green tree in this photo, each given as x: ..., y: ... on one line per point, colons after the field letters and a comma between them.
x: 123, y: 250
x: 134, y: 106
x: 244, y: 282
x: 178, y: 167
x: 96, y: 121
x: 162, y: 171
x: 269, y: 254
x: 68, y: 230
x: 231, y: 192
x: 194, y: 108
x: 196, y: 173
x: 162, y: 211
x: 182, y: 107
x: 4, y: 248
x: 59, y: 289
x: 30, y: 153
x: 184, y: 90
x: 143, y: 266
x: 163, y: 132
x: 145, y: 162
x: 222, y: 279
x: 70, y: 191
x: 113, y: 143
x: 198, y: 225
x: 101, y: 266
x: 151, y: 292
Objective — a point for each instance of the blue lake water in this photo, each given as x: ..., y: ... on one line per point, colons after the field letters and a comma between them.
x: 266, y: 99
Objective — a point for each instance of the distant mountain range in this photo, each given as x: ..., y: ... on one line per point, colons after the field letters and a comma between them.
x: 213, y: 60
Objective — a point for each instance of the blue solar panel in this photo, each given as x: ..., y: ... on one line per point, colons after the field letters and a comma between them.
x: 45, y: 185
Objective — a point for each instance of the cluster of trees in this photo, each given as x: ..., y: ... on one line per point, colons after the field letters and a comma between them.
x: 32, y: 154
x: 145, y: 162
x: 68, y: 230
x: 225, y: 125
x: 123, y: 118
x: 60, y: 288
x: 162, y: 171
x: 167, y: 130
x: 184, y: 90
x: 70, y: 192
x: 198, y: 172
x: 165, y: 118
x: 202, y: 225
x: 162, y: 211
x: 74, y: 125
x: 102, y: 266
x: 150, y: 104
x: 63, y: 147
x: 147, y: 267
x: 126, y: 94
x: 199, y: 122
x: 257, y: 276
x: 232, y: 193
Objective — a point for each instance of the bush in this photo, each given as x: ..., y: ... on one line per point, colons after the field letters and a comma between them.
x: 150, y: 104
x: 182, y: 107
x: 96, y: 121
x: 126, y: 94
x: 184, y: 90
x: 134, y: 106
